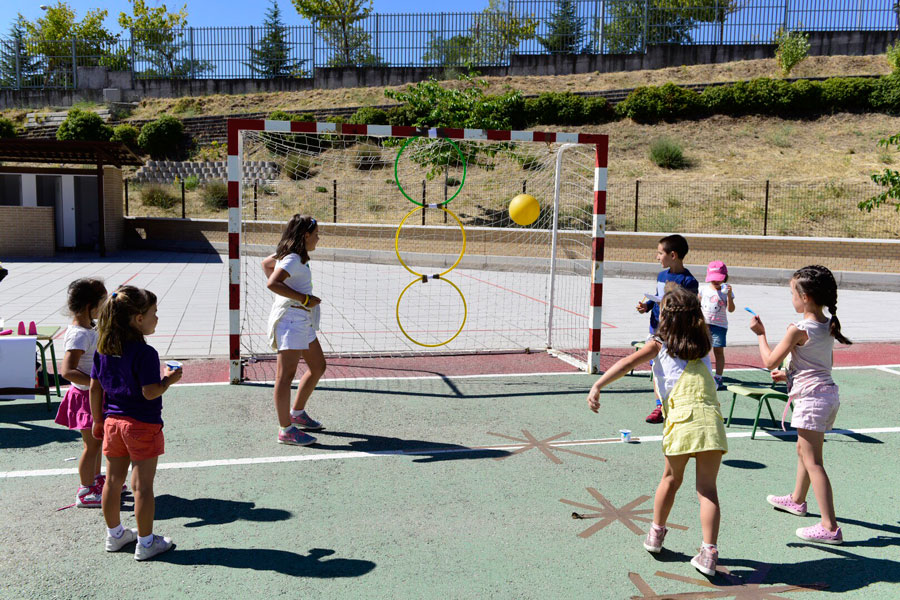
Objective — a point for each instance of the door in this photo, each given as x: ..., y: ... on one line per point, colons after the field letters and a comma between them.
x: 87, y: 214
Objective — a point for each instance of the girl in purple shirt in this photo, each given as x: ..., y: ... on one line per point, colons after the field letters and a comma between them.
x: 126, y: 405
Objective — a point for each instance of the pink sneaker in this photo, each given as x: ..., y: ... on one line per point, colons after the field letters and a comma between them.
x: 787, y: 504
x: 818, y: 533
x: 88, y: 497
x: 706, y: 561
x: 100, y: 480
x: 295, y: 437
x: 306, y: 422
x: 654, y: 540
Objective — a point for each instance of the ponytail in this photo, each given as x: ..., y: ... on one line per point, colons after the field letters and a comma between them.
x: 114, y: 323
x: 819, y: 284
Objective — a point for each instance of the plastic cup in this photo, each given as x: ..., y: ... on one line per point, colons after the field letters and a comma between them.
x: 173, y: 364
x: 626, y: 435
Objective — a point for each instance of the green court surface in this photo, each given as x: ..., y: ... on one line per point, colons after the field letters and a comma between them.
x: 410, y: 494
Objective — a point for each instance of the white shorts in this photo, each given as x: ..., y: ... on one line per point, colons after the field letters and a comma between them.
x: 294, y: 332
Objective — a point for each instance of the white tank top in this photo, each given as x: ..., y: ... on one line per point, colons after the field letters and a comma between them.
x: 811, y: 363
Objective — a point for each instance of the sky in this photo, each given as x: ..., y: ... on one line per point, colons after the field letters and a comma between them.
x: 212, y: 12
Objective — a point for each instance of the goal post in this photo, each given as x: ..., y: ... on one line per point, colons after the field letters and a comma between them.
x: 538, y: 286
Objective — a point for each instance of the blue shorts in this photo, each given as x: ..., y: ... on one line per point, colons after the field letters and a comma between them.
x: 718, y: 335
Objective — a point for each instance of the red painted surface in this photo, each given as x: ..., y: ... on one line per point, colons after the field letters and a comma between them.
x: 212, y: 370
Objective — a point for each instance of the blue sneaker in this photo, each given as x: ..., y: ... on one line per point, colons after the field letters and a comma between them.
x: 295, y: 437
x: 304, y: 421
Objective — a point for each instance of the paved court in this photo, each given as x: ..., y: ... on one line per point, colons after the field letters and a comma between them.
x: 192, y: 291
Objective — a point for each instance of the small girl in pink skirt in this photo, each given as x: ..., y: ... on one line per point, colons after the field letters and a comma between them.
x: 85, y: 298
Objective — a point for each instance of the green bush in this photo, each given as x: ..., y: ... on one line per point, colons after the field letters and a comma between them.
x: 565, y: 108
x: 369, y: 115
x: 451, y: 181
x: 191, y: 182
x: 281, y: 115
x: 127, y: 134
x: 160, y: 197
x: 84, y: 126
x: 298, y: 166
x: 367, y: 157
x: 846, y: 93
x: 401, y: 116
x: 885, y: 95
x: 668, y: 154
x: 215, y: 194
x: 7, y: 128
x: 893, y: 56
x: 668, y: 102
x: 793, y: 48
x: 162, y: 138
x: 321, y: 189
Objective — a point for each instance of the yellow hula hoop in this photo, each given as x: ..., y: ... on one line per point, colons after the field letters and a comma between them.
x: 405, y: 266
x: 461, y: 325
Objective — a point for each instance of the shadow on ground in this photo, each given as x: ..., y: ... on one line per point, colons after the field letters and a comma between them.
x: 278, y: 561
x: 214, y: 511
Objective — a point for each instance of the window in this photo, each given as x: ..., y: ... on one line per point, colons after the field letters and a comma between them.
x: 10, y: 190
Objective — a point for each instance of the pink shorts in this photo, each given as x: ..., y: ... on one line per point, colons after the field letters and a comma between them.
x: 815, y: 407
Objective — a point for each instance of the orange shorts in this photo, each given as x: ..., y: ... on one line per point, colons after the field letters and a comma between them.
x: 124, y: 436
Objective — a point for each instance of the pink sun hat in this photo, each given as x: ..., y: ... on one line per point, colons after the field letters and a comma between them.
x: 716, y: 271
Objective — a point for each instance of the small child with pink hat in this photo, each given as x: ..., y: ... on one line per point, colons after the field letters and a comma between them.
x: 715, y: 299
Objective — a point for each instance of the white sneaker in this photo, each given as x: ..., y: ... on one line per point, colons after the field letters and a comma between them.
x: 160, y: 544
x: 114, y: 544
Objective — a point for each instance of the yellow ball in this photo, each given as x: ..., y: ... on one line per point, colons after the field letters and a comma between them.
x: 524, y: 209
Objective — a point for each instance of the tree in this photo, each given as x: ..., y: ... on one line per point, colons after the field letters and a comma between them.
x: 58, y: 31
x: 18, y: 67
x: 337, y: 21
x: 889, y: 179
x: 666, y: 22
x: 566, y: 30
x: 157, y: 35
x: 270, y: 57
x: 493, y: 35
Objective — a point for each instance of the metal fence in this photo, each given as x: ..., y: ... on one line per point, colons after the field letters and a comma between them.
x: 743, y: 207
x: 487, y: 38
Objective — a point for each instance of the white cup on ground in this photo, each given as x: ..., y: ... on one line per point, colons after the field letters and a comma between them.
x: 173, y: 364
x: 626, y: 435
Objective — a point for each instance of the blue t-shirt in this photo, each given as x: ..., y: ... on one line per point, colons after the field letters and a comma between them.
x: 122, y: 378
x: 684, y: 279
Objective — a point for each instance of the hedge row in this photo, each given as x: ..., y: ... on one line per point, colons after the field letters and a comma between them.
x: 670, y: 102
x: 764, y: 96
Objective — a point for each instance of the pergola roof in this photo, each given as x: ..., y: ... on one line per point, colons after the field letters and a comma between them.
x: 68, y: 152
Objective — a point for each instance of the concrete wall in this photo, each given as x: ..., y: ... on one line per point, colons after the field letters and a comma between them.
x: 92, y: 80
x: 875, y: 256
x: 27, y: 231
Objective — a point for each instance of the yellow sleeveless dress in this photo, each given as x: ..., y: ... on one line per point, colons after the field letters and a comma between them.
x: 694, y: 420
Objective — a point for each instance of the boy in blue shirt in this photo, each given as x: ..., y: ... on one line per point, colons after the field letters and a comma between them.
x: 670, y: 253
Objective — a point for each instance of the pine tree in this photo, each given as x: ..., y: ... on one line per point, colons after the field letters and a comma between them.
x: 28, y: 66
x: 566, y: 30
x: 271, y: 56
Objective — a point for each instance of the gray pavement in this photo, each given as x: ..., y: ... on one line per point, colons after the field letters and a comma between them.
x: 193, y: 304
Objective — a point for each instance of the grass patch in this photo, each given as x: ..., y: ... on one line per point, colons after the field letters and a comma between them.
x: 667, y: 153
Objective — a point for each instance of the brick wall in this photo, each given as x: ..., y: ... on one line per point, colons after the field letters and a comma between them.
x: 27, y: 231
x: 879, y: 256
x: 113, y: 208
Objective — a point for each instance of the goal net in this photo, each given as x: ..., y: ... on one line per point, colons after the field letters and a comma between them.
x: 417, y: 252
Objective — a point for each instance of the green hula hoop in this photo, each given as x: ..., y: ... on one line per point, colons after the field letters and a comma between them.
x: 458, y: 331
x: 397, y: 177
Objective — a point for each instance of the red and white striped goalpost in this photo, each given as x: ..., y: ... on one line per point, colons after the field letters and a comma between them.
x: 235, y: 126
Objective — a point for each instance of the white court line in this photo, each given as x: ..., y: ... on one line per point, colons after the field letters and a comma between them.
x: 887, y: 369
x: 200, y: 464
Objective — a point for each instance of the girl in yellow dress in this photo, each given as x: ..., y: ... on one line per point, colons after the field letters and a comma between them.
x: 693, y: 419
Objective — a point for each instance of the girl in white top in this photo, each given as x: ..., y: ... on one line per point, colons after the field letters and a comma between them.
x: 811, y: 390
x: 292, y: 327
x: 716, y: 301
x: 84, y: 300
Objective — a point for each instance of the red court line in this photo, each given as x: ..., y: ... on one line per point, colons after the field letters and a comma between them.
x: 130, y: 278
x: 533, y: 298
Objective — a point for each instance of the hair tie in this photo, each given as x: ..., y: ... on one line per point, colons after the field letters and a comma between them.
x: 114, y: 295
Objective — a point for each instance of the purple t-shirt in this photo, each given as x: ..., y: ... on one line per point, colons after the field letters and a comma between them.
x: 122, y: 377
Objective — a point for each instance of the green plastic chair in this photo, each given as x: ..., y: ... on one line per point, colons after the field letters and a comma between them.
x: 762, y: 395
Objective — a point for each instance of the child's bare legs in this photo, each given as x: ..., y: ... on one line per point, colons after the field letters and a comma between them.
x: 285, y: 369
x: 707, y: 472
x: 719, y: 354
x: 315, y: 363
x: 89, y: 463
x: 673, y: 474
x: 116, y: 473
x: 811, y: 469
x: 143, y: 473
